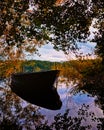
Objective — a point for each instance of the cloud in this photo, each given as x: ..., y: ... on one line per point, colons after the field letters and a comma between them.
x: 49, y: 54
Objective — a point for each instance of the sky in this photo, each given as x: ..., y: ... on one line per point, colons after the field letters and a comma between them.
x: 49, y: 54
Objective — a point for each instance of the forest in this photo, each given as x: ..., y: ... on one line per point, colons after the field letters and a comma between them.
x: 86, y: 71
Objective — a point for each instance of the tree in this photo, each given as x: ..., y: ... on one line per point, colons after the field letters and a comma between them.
x: 62, y: 25
x: 98, y: 9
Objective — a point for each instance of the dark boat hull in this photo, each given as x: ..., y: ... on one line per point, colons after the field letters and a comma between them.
x: 37, y: 88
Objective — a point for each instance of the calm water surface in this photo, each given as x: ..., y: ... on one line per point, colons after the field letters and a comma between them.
x: 74, y: 102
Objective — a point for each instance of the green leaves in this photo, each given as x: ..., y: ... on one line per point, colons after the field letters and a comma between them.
x: 67, y: 23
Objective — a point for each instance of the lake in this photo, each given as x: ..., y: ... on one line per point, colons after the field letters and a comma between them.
x: 81, y: 104
x: 75, y: 101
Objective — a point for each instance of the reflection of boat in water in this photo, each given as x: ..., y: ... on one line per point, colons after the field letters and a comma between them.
x: 37, y: 88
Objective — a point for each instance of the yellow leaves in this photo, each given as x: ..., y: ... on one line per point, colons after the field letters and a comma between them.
x: 31, y: 49
x: 8, y: 26
x: 24, y: 20
x: 77, y: 70
x: 9, y: 67
x: 4, y: 11
x: 12, y: 10
x: 31, y: 45
x: 34, y: 41
x: 70, y: 73
x: 31, y: 41
x: 9, y: 72
x: 59, y: 2
x: 17, y: 30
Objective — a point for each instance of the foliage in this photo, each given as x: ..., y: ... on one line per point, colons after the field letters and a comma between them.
x: 73, y: 70
x: 69, y: 71
x: 83, y: 72
x: 13, y: 66
x: 9, y: 125
x: 62, y: 25
x: 100, y: 46
x: 8, y: 67
x: 99, y: 24
x: 93, y: 73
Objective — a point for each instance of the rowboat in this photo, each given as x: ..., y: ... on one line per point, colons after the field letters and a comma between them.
x: 37, y: 88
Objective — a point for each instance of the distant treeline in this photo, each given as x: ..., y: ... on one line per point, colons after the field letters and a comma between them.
x: 36, y: 65
x: 72, y: 70
x: 12, y: 66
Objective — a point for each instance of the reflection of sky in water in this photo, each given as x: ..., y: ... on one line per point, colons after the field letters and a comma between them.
x: 73, y: 103
x: 83, y: 98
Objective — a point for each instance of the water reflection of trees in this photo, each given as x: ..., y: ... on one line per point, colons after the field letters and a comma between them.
x: 14, y: 116
x: 94, y: 89
x: 67, y: 122
x: 99, y: 92
x: 14, y: 113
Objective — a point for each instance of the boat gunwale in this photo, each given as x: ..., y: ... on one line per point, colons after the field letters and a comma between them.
x: 39, y: 72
